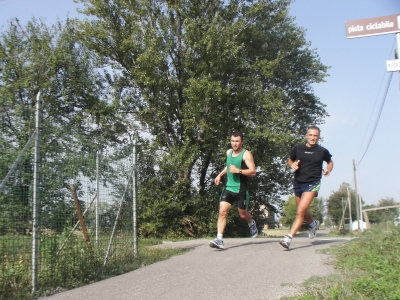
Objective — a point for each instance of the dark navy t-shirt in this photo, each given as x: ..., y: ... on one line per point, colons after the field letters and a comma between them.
x: 311, y: 159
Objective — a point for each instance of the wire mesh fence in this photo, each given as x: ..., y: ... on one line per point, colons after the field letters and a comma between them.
x: 83, y: 202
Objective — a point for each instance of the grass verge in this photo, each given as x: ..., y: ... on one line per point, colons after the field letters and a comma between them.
x: 73, y: 267
x: 368, y: 269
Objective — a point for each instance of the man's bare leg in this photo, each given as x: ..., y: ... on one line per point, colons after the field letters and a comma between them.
x: 245, y: 215
x: 302, y: 211
x: 307, y: 216
x: 224, y: 208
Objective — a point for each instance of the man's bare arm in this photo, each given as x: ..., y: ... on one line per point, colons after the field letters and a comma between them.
x: 328, y: 169
x: 249, y: 160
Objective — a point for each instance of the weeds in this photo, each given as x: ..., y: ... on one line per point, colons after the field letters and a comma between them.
x: 72, y: 267
x: 368, y: 269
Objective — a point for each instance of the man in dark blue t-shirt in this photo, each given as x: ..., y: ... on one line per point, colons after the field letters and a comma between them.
x: 307, y: 160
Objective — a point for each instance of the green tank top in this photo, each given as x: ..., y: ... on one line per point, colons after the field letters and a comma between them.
x: 236, y: 182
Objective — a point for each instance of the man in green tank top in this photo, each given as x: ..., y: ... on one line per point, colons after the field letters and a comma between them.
x: 239, y: 166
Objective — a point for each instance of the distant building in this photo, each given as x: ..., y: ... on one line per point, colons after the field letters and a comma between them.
x: 355, y: 225
x: 268, y: 213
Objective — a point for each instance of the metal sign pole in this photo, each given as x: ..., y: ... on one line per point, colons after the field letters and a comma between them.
x: 398, y: 46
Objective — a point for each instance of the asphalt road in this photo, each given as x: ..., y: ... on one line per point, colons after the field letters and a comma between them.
x: 248, y: 268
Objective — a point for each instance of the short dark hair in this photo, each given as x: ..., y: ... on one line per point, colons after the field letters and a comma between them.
x: 237, y: 133
x: 314, y: 127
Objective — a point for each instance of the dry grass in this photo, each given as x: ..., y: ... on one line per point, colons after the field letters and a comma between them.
x: 279, y: 232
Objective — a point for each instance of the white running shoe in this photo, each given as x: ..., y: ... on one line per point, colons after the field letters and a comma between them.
x: 313, y: 230
x: 285, y: 242
x: 219, y: 244
x: 253, y: 229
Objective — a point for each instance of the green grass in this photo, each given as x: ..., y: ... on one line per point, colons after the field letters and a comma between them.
x: 343, y: 233
x: 368, y: 268
x: 72, y: 267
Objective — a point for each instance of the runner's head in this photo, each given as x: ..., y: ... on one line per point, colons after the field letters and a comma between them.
x: 314, y: 127
x: 237, y: 133
x: 237, y: 140
x: 312, y: 136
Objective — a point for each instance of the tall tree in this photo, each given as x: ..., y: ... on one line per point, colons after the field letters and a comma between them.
x: 290, y: 209
x: 189, y: 72
x: 383, y: 215
x: 336, y: 203
x: 372, y: 215
x: 389, y: 214
x: 76, y: 115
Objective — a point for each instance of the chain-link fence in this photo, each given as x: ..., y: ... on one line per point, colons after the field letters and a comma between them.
x: 66, y: 215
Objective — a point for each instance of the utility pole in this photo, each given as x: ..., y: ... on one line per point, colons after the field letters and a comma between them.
x: 349, y: 201
x: 357, y: 202
x: 342, y: 222
x: 361, y: 214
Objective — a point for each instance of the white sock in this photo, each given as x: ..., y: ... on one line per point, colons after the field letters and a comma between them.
x: 219, y: 236
x: 289, y: 235
x: 251, y: 223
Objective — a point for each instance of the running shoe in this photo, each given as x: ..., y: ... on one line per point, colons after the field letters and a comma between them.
x: 253, y: 229
x: 285, y: 242
x: 219, y: 244
x: 313, y: 230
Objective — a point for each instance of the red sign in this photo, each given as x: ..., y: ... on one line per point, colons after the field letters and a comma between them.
x: 373, y: 26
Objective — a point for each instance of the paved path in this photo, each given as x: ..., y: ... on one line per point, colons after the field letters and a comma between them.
x: 247, y: 269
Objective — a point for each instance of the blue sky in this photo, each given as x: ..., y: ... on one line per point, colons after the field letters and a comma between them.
x: 353, y: 92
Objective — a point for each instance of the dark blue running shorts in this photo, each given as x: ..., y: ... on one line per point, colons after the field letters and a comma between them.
x: 301, y: 187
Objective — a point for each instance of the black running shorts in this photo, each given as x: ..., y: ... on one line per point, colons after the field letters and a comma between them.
x: 242, y: 198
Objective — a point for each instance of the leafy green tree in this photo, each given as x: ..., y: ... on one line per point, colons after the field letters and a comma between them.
x: 389, y: 214
x: 383, y: 215
x: 290, y: 209
x: 372, y: 215
x: 188, y: 73
x: 337, y: 202
x: 77, y: 117
x: 328, y: 222
x: 317, y: 208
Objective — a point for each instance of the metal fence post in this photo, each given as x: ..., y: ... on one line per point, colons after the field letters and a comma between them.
x: 98, y: 196
x: 36, y: 199
x: 134, y: 202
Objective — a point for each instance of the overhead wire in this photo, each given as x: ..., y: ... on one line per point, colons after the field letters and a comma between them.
x: 380, y: 110
x: 5, y: 2
x: 378, y: 117
x: 376, y: 101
